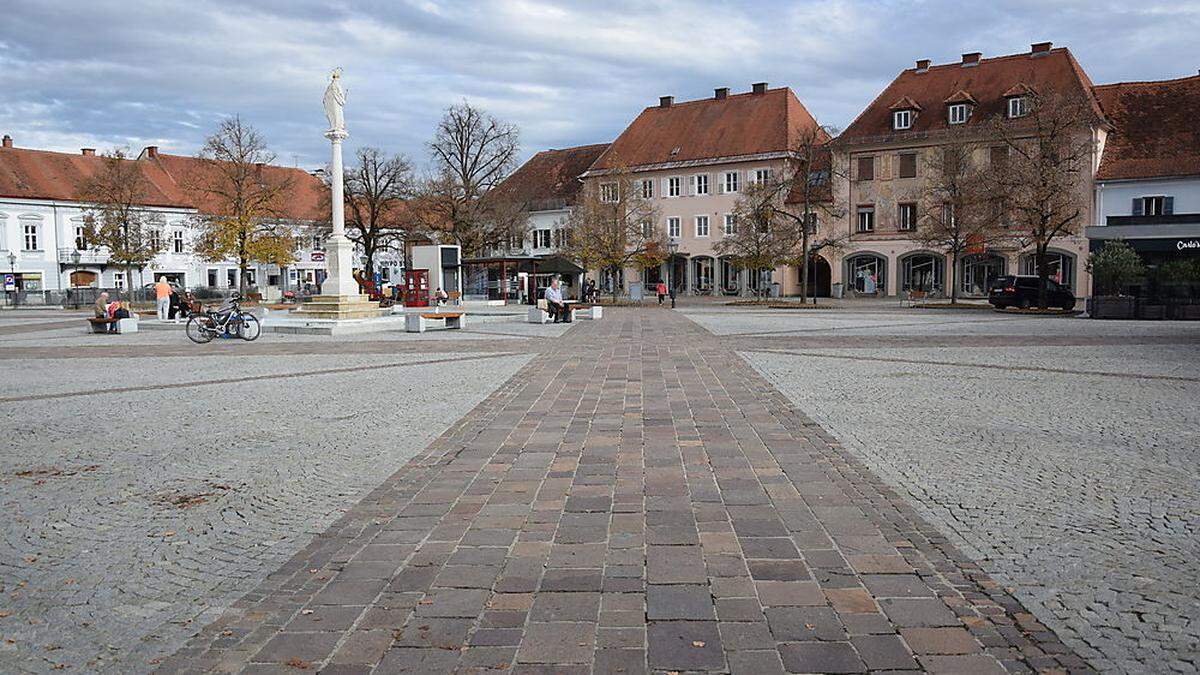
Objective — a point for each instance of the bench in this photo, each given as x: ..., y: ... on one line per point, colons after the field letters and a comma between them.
x: 538, y: 314
x: 914, y: 298
x: 99, y: 325
x: 587, y: 311
x: 419, y: 323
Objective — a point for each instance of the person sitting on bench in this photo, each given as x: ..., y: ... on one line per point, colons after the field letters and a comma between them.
x: 554, y: 303
x: 101, y: 307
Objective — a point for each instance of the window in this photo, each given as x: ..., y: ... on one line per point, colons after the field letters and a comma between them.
x: 866, y: 168
x: 731, y: 181
x: 906, y: 217
x: 608, y: 192
x: 119, y: 280
x: 647, y: 229
x: 560, y: 238
x: 700, y: 181
x: 1153, y: 206
x: 30, y: 236
x: 647, y: 189
x: 80, y: 238
x: 730, y: 224
x: 763, y: 176
x: 231, y: 277
x: 908, y: 165
x: 959, y: 113
x: 318, y: 243
x: 541, y: 238
x: 155, y: 239
x: 866, y: 219
x: 673, y: 228
x: 701, y: 226
x: 212, y: 277
x: 948, y: 219
x: 998, y: 155
x: 674, y: 185
x: 177, y: 241
x: 1018, y: 106
x: 902, y: 119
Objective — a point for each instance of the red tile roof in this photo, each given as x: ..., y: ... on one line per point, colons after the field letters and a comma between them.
x: 987, y: 82
x: 738, y: 126
x: 550, y: 179
x: 41, y: 174
x: 1155, y: 130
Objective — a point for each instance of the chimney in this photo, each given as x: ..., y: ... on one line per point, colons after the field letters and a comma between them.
x: 89, y: 152
x: 1040, y: 48
x: 971, y: 59
x: 7, y: 141
x: 759, y: 87
x: 923, y: 65
x: 666, y: 101
x: 151, y: 151
x: 721, y: 93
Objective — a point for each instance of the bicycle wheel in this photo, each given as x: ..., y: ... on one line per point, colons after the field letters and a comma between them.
x: 199, y: 329
x: 249, y: 328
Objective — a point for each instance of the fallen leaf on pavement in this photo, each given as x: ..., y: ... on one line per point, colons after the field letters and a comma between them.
x: 697, y: 643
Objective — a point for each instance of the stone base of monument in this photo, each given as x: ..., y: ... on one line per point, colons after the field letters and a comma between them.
x: 339, y: 307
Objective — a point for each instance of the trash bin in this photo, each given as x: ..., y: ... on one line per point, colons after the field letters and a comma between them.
x: 635, y: 291
x: 836, y: 290
x: 775, y: 289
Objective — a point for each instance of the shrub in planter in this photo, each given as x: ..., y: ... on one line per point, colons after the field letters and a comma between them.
x: 1114, y: 267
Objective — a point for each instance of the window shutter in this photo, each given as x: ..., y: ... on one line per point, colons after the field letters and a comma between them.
x: 720, y: 184
x: 1137, y: 206
x: 666, y: 186
x: 1168, y: 205
x: 691, y: 185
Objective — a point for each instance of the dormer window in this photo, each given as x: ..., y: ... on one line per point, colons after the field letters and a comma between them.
x: 959, y: 113
x: 1018, y: 106
x: 902, y: 119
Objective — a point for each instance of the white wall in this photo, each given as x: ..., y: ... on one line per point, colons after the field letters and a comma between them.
x: 1116, y: 198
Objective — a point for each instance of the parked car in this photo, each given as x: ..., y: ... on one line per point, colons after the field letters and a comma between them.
x: 1019, y: 290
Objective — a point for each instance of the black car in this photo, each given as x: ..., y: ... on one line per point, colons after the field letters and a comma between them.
x: 1012, y: 290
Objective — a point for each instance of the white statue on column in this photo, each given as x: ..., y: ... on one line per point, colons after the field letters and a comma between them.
x: 339, y: 249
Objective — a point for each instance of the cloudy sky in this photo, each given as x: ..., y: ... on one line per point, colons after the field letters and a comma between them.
x: 105, y: 73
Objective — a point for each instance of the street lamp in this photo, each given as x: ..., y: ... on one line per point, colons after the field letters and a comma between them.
x: 12, y: 271
x: 76, y: 256
x: 672, y: 247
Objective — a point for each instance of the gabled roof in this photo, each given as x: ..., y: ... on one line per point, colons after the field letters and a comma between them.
x: 740, y: 125
x: 550, y: 179
x: 1155, y: 132
x: 59, y: 176
x: 988, y: 81
x: 905, y: 103
x: 961, y: 96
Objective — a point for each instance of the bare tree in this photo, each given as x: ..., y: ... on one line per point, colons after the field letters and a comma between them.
x: 1042, y: 179
x: 242, y: 205
x: 376, y: 190
x: 115, y: 217
x: 958, y: 211
x: 472, y: 153
x: 613, y: 226
x: 778, y: 221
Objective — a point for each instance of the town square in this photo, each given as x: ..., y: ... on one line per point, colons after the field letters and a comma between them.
x: 332, y: 367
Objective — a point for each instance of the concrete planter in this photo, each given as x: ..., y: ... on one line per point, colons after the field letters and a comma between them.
x: 1111, y: 307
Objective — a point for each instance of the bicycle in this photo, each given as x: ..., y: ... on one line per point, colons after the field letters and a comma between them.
x: 229, y: 321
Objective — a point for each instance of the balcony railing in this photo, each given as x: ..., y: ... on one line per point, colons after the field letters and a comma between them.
x: 91, y: 256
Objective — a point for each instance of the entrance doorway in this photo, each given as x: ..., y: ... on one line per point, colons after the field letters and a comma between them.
x: 819, y: 277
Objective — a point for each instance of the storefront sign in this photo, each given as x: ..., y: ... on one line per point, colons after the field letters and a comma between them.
x: 1185, y: 244
x: 10, y: 283
x: 317, y: 256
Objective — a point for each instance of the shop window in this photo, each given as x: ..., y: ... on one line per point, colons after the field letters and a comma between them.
x: 867, y: 273
x: 922, y: 272
x: 1062, y: 268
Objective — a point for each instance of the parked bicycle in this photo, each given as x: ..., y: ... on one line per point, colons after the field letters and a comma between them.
x: 228, y: 320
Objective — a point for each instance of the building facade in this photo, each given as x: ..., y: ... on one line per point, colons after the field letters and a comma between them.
x: 880, y: 165
x: 1148, y: 184
x: 44, y: 247
x: 694, y: 159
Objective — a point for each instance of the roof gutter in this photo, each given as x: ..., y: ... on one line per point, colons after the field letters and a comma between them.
x: 708, y: 161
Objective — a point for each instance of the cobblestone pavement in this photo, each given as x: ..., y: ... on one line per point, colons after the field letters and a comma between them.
x: 635, y: 498
x: 145, y: 491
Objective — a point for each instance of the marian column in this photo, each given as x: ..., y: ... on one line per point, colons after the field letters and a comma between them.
x: 339, y: 251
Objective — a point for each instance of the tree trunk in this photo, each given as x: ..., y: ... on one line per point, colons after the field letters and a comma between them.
x: 1043, y: 273
x: 953, y: 277
x: 612, y: 273
x: 804, y: 263
x: 242, y: 277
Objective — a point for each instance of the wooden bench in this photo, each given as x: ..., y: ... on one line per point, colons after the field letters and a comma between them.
x: 419, y: 323
x: 99, y: 325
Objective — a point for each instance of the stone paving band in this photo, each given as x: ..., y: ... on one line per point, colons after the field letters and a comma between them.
x: 655, y: 505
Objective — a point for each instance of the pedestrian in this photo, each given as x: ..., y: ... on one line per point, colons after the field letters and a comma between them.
x: 101, y: 307
x: 554, y: 302
x: 162, y: 294
x: 661, y: 289
x: 591, y: 291
x: 441, y: 296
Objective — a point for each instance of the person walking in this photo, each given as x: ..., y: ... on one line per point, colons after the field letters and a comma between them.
x: 661, y: 289
x: 162, y: 295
